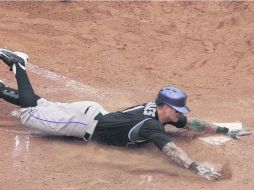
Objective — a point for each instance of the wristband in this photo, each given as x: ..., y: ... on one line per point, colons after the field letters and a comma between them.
x: 193, y: 166
x: 223, y: 130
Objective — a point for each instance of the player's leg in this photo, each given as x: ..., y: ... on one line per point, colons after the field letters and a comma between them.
x: 54, y: 118
x: 82, y: 107
x: 16, y: 61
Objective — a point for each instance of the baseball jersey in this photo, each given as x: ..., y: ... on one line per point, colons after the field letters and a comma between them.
x: 138, y: 124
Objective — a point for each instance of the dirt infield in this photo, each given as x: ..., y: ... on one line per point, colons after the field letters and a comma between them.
x: 120, y: 54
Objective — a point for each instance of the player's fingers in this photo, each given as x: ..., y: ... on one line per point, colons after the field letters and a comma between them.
x: 237, y: 137
x: 216, y: 174
x: 245, y: 132
x: 212, y: 175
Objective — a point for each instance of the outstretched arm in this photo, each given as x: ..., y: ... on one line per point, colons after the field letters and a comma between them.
x: 194, y: 124
x: 155, y: 132
x: 203, y: 126
x: 200, y: 126
x: 177, y: 155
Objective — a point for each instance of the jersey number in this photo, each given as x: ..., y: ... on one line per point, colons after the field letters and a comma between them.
x: 150, y: 109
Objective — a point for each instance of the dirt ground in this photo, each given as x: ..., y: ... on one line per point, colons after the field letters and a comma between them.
x: 120, y: 54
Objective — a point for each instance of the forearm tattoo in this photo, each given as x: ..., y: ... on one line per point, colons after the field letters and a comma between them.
x: 200, y: 126
x: 177, y: 155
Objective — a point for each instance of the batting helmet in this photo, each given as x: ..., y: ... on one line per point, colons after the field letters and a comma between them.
x: 173, y: 97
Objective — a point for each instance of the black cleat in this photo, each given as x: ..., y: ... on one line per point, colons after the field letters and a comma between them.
x: 2, y: 88
x: 10, y: 95
x: 10, y: 58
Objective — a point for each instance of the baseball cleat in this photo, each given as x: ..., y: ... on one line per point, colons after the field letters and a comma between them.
x: 10, y: 58
x: 2, y: 87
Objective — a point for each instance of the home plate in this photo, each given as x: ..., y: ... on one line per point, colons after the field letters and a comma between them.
x: 221, y: 139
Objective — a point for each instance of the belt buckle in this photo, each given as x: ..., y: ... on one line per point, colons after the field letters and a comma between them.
x: 86, y: 137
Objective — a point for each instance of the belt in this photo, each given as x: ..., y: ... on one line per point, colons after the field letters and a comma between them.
x: 98, y: 117
x: 88, y: 136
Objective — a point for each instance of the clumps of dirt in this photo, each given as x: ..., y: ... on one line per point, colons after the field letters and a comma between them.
x: 226, y: 172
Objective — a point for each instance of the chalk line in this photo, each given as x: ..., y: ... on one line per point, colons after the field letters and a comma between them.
x: 67, y: 82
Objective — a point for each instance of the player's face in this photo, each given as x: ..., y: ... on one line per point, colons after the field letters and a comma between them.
x: 172, y: 114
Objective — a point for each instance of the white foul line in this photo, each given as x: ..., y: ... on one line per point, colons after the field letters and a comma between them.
x: 67, y: 82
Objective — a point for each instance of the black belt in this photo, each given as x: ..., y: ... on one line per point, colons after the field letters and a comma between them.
x: 98, y: 116
x: 87, y: 136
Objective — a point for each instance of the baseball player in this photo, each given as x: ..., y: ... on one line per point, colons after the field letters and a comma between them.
x: 88, y: 120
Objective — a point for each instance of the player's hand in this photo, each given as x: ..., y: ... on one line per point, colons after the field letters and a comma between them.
x: 208, y: 173
x: 236, y: 134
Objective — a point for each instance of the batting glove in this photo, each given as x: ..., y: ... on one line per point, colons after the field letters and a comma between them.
x: 238, y: 133
x: 208, y: 173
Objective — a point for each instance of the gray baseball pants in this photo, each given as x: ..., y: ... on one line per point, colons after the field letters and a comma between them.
x: 63, y: 119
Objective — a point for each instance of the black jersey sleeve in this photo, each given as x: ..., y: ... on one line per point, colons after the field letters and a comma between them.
x: 180, y: 123
x: 155, y: 132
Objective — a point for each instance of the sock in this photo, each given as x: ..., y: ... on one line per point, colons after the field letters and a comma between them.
x: 27, y: 97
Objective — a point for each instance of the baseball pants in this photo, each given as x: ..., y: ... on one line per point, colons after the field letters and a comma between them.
x: 63, y: 119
